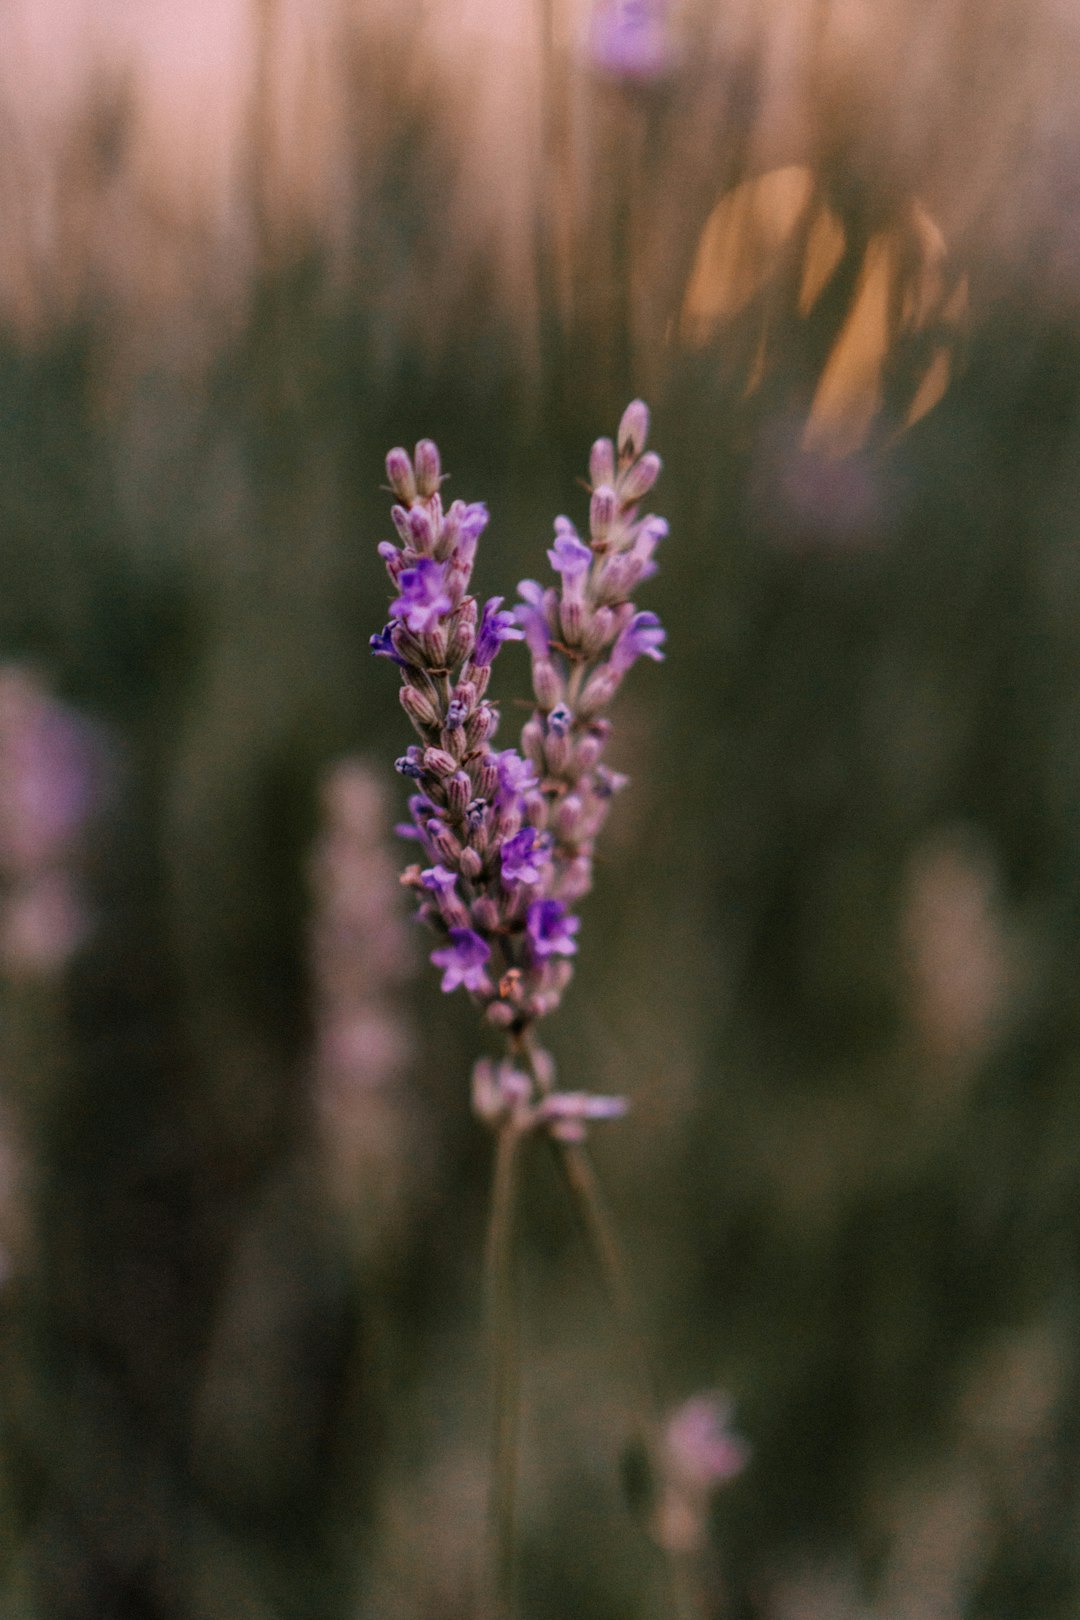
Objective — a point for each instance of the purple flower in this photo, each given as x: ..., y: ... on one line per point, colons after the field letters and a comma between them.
x: 494, y: 628
x: 531, y: 614
x: 643, y: 636
x: 629, y: 39
x: 568, y: 556
x: 463, y: 960
x: 524, y: 856
x: 382, y: 646
x: 517, y: 776
x: 411, y: 763
x: 550, y: 929
x: 423, y: 600
x: 439, y: 879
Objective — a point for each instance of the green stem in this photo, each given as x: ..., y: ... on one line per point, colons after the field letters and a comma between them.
x: 502, y: 1339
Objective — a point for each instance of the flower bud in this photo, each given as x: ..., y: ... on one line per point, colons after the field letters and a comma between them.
x: 458, y: 794
x: 602, y: 510
x: 599, y: 632
x: 633, y: 431
x: 428, y: 468
x: 472, y: 863
x: 400, y: 473
x: 587, y: 753
x: 462, y: 638
x: 481, y: 725
x: 600, y: 688
x: 557, y: 751
x: 546, y: 683
x: 486, y: 778
x: 567, y: 818
x: 576, y: 879
x: 485, y: 914
x: 500, y: 1014
x: 572, y: 620
x: 399, y: 516
x: 443, y: 842
x: 420, y: 709
x: 421, y: 533
x: 602, y: 463
x: 439, y: 762
x: 639, y: 479
x: 532, y: 742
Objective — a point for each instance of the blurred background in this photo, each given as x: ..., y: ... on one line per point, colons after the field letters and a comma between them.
x: 246, y: 247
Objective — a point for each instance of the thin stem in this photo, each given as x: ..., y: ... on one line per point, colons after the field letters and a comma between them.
x: 502, y: 1339
x: 600, y: 1232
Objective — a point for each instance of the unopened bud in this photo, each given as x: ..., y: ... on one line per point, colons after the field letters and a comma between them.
x: 485, y: 914
x: 532, y: 742
x: 602, y: 463
x: 602, y: 510
x: 500, y: 1014
x: 428, y: 468
x: 639, y: 479
x: 567, y: 817
x: 439, y: 762
x: 443, y: 842
x: 400, y: 473
x: 421, y: 533
x: 481, y: 725
x: 486, y: 778
x: 557, y: 751
x: 600, y: 688
x: 599, y: 632
x: 420, y: 709
x: 546, y: 683
x: 633, y: 429
x: 472, y: 863
x: 458, y: 794
x: 572, y: 620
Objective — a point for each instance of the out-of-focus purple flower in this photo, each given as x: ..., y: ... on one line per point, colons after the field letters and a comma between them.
x: 530, y: 613
x: 439, y: 879
x: 463, y: 961
x: 568, y: 556
x: 631, y: 39
x: 517, y: 776
x: 494, y: 628
x: 525, y: 856
x: 550, y: 929
x: 700, y: 1445
x: 423, y: 600
x: 642, y: 637
x: 568, y: 1114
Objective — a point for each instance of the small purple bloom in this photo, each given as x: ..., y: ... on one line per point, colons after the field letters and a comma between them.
x: 423, y: 600
x: 568, y: 556
x: 439, y: 879
x: 382, y: 646
x: 531, y: 614
x: 643, y: 636
x: 411, y: 763
x: 560, y: 720
x: 517, y: 776
x: 525, y: 856
x: 630, y: 39
x: 463, y: 960
x: 494, y: 628
x: 472, y: 520
x: 550, y: 929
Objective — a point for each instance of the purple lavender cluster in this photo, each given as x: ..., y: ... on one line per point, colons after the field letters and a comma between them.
x: 507, y: 835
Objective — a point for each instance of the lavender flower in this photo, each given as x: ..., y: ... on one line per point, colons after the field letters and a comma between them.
x: 630, y: 39
x: 463, y: 961
x: 507, y: 836
x: 550, y: 929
